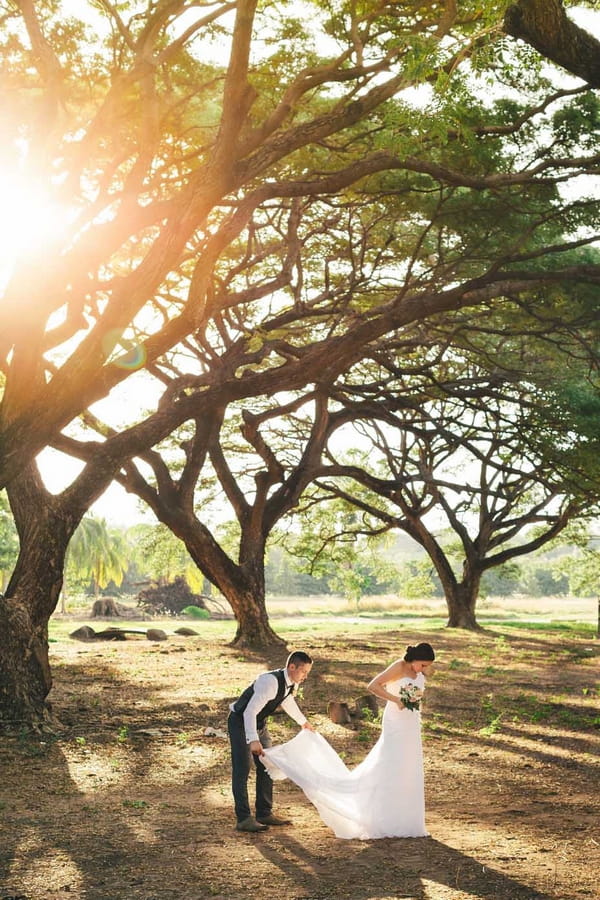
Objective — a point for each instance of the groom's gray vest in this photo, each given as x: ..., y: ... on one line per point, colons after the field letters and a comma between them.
x: 283, y: 691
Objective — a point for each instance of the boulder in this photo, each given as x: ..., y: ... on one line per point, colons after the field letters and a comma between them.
x: 368, y: 701
x: 84, y: 633
x: 338, y: 712
x: 156, y: 634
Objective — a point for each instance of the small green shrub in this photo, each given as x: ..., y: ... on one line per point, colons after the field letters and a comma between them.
x: 493, y: 727
x: 196, y: 611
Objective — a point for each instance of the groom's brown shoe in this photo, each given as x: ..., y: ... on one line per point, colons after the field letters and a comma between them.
x: 272, y: 820
x: 250, y: 824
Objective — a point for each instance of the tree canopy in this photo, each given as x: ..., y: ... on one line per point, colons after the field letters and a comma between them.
x: 179, y: 150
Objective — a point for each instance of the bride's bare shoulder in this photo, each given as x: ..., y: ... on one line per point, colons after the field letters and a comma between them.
x: 395, y: 670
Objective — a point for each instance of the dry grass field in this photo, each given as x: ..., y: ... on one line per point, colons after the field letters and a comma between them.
x: 131, y: 798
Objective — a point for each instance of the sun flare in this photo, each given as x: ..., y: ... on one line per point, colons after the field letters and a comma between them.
x: 29, y: 222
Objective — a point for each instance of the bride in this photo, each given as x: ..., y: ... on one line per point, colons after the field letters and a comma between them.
x: 384, y: 795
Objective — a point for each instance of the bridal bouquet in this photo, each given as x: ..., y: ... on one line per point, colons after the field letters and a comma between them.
x: 411, y: 696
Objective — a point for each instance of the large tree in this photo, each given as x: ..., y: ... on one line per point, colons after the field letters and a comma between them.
x: 501, y: 459
x: 259, y: 490
x: 157, y: 159
x: 502, y: 436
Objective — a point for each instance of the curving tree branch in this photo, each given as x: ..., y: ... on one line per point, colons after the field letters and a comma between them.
x: 544, y: 25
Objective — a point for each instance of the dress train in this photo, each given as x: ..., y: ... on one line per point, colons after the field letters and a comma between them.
x: 383, y: 796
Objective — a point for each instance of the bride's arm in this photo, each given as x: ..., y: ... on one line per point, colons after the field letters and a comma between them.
x: 392, y: 673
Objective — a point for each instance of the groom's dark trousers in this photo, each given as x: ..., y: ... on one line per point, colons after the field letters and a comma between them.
x: 241, y: 762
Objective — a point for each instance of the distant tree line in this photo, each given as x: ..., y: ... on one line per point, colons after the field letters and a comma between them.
x: 128, y: 562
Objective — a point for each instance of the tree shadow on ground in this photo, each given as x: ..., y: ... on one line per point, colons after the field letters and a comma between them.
x: 59, y: 837
x: 55, y: 841
x: 179, y: 841
x: 406, y: 868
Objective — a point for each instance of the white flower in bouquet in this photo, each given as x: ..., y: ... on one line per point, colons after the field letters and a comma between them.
x: 411, y: 696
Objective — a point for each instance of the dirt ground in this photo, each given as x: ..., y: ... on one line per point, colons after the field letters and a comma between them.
x: 132, y: 798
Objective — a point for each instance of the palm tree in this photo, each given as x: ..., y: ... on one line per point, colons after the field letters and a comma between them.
x: 162, y: 555
x: 98, y: 553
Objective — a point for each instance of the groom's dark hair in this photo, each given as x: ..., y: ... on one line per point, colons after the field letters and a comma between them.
x: 298, y: 658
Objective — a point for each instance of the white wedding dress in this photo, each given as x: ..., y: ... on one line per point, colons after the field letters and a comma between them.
x: 383, y: 796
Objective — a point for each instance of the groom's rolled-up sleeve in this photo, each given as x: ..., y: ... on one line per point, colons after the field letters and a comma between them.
x: 265, y: 689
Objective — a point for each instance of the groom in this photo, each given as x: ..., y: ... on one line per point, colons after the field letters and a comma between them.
x: 248, y: 734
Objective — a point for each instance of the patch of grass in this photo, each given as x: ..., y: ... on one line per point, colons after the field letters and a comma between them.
x: 369, y: 716
x: 492, y: 715
x: 397, y: 614
x: 435, y: 722
x: 458, y: 664
x: 578, y: 654
x: 493, y: 726
x: 298, y: 629
x: 530, y: 708
x: 583, y: 629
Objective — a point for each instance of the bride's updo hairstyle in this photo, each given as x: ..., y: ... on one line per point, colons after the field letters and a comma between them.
x: 422, y: 652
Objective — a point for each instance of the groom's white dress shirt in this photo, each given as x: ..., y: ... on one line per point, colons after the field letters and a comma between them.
x: 265, y: 689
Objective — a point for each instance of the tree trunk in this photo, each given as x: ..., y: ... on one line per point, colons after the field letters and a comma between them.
x: 32, y: 594
x: 25, y: 678
x: 254, y: 631
x: 247, y: 596
x: 242, y: 585
x: 31, y: 597
x: 461, y: 601
x: 461, y: 596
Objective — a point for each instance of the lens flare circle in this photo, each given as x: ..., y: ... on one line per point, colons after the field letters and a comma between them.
x: 122, y: 352
x: 135, y: 358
